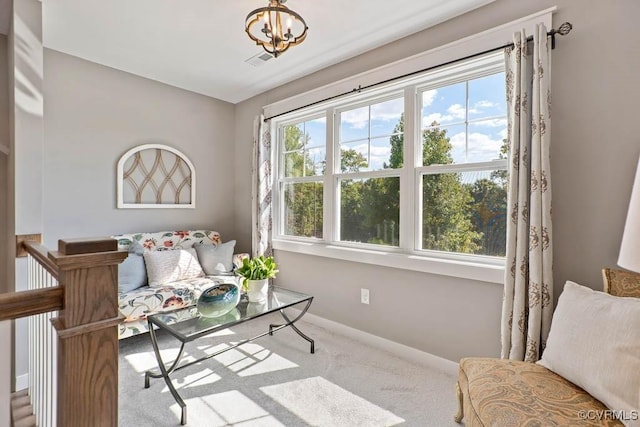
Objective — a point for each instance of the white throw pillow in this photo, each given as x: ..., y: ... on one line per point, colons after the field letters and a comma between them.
x: 171, y: 265
x: 594, y: 342
x: 216, y: 259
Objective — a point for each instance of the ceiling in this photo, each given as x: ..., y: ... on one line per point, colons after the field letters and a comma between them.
x: 201, y: 46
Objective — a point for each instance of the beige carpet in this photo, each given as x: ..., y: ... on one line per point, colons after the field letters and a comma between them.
x: 275, y: 381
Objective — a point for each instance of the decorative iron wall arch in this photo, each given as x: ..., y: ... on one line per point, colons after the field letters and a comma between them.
x: 155, y: 176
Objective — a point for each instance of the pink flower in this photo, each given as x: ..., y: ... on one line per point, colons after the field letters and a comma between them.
x: 182, y: 234
x: 149, y: 243
x: 168, y: 244
x: 173, y: 301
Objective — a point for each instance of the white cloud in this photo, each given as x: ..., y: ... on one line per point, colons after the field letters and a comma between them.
x: 388, y: 110
x: 435, y: 117
x: 481, y: 147
x: 384, y: 111
x: 457, y: 111
x: 357, y: 118
x: 484, y: 104
x: 428, y: 96
x: 493, y: 123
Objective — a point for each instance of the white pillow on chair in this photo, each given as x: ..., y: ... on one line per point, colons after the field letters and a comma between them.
x: 594, y: 342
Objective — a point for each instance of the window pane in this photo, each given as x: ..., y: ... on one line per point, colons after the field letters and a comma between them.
x: 316, y: 130
x: 487, y: 97
x: 315, y: 164
x: 293, y: 138
x: 303, y: 209
x: 303, y: 145
x: 354, y: 157
x: 386, y: 117
x: 293, y: 164
x: 443, y: 145
x: 486, y: 139
x: 369, y: 210
x: 354, y: 124
x: 465, y: 212
x: 445, y: 105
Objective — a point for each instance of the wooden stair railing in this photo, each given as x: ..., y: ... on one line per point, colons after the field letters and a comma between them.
x: 86, y: 326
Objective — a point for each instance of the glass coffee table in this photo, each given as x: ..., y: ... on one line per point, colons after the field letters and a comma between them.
x: 186, y: 325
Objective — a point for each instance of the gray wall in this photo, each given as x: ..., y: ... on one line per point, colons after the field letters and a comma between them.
x: 595, y: 148
x: 93, y: 115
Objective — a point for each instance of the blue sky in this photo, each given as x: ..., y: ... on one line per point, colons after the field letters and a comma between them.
x: 481, y: 141
x: 447, y: 106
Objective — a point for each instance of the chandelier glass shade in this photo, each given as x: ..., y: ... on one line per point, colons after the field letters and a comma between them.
x: 276, y: 27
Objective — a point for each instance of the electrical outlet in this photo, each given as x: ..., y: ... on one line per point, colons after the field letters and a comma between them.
x: 364, y: 296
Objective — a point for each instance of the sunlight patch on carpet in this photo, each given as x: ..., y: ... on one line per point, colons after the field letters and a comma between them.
x: 322, y: 403
x: 204, y: 377
x: 224, y: 409
x: 144, y: 361
x: 250, y: 359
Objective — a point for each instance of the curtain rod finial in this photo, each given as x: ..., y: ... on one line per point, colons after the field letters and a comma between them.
x: 565, y: 28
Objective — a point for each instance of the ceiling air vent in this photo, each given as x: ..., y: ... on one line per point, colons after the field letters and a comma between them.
x: 259, y: 59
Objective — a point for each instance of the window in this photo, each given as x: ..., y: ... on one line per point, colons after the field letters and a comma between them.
x: 370, y: 145
x: 303, y: 149
x: 463, y: 173
x: 417, y: 168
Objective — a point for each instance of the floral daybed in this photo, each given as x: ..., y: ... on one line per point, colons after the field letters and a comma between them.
x: 135, y: 305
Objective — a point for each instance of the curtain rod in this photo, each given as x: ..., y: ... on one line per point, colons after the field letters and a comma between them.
x: 563, y: 30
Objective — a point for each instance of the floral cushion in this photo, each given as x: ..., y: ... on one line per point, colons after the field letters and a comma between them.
x: 500, y: 392
x: 137, y: 304
x: 165, y: 240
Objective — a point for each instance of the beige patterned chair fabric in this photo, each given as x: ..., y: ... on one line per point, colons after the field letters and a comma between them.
x: 498, y: 392
x: 501, y: 392
x: 621, y: 283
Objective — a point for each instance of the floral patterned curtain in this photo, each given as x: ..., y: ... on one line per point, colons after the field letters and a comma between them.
x: 528, y: 289
x: 261, y: 192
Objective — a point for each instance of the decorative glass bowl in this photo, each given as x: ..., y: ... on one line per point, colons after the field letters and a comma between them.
x: 218, y: 300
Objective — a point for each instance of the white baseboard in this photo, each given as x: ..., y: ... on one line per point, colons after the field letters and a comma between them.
x: 22, y: 382
x: 401, y: 350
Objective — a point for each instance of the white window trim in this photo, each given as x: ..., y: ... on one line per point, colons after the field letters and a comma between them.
x: 473, y: 267
x: 466, y: 269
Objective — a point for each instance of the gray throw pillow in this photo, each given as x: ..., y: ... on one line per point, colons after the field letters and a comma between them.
x: 132, y: 273
x: 216, y: 259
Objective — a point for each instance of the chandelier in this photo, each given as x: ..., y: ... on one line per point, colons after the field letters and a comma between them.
x: 275, y: 27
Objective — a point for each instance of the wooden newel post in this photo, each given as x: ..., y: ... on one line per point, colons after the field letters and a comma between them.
x: 87, y: 332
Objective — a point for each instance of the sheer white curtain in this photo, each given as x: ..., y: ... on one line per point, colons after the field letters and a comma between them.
x: 261, y: 190
x: 528, y: 290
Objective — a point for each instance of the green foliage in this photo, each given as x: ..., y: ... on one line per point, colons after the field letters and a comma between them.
x: 352, y: 161
x: 257, y: 268
x: 457, y: 216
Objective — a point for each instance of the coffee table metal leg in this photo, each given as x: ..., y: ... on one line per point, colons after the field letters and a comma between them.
x: 294, y: 327
x: 164, y: 373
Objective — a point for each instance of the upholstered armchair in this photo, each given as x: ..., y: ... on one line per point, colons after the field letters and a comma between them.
x: 497, y: 392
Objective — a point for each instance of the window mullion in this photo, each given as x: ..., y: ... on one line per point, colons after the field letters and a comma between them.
x: 328, y: 212
x: 278, y: 174
x: 407, y: 186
